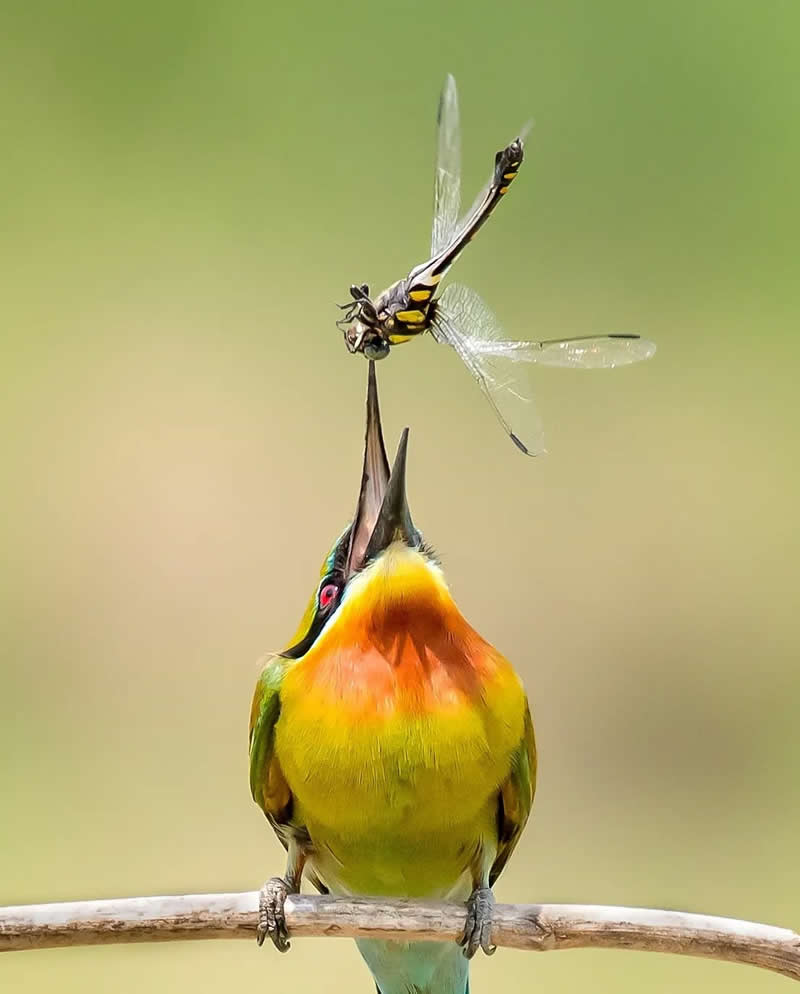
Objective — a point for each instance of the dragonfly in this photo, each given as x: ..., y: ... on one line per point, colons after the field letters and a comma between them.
x: 457, y: 316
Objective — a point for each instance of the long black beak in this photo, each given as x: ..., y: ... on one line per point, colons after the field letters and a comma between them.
x: 394, y: 522
x: 382, y: 514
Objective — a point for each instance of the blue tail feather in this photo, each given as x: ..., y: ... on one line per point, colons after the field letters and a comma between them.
x: 416, y: 967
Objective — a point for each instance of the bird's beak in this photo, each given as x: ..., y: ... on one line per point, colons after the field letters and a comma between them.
x: 382, y: 515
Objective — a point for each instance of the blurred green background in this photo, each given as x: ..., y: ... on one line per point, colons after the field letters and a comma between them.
x: 187, y: 189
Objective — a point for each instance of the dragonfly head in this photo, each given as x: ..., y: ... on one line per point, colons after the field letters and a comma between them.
x: 362, y: 336
x: 360, y: 325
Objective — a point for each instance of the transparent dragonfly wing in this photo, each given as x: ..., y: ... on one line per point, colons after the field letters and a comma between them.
x: 461, y: 320
x: 447, y: 179
x: 587, y: 352
x: 502, y: 367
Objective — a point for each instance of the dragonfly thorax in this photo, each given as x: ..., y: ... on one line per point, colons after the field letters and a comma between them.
x: 394, y: 317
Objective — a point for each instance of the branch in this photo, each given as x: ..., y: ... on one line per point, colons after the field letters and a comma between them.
x: 528, y: 926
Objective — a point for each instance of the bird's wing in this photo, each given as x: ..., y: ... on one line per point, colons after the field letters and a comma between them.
x: 267, y: 782
x: 516, y: 798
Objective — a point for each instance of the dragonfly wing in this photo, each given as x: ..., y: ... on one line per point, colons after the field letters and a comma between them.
x: 462, y: 320
x: 447, y: 180
x: 586, y: 352
x: 596, y: 352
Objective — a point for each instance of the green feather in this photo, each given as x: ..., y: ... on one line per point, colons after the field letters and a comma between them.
x: 264, y: 717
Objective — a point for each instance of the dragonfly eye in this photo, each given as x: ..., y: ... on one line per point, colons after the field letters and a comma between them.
x: 377, y: 348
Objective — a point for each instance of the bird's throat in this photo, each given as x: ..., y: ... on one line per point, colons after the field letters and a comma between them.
x: 398, y: 643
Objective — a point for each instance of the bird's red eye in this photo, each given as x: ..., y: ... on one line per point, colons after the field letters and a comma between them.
x: 328, y: 595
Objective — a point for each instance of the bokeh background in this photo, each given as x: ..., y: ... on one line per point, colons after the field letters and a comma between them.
x: 187, y: 189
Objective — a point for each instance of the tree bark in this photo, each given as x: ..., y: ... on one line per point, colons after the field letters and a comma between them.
x: 539, y: 927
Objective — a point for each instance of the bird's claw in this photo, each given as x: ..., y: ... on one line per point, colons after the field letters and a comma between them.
x: 477, y: 932
x: 271, y: 916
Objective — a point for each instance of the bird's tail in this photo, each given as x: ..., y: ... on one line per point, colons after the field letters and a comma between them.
x: 418, y: 967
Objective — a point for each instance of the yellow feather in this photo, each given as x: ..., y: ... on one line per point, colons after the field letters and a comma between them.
x: 394, y: 763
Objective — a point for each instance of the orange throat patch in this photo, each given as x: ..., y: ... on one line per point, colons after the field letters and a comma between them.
x: 399, y: 644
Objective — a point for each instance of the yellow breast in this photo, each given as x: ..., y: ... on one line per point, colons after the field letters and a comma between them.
x: 401, y: 720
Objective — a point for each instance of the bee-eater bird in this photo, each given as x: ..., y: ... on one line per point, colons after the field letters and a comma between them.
x: 391, y: 747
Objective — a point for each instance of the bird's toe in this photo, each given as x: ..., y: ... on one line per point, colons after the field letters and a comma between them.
x: 271, y: 915
x: 477, y: 932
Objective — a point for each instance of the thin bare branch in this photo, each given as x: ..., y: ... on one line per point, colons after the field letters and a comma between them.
x: 538, y: 927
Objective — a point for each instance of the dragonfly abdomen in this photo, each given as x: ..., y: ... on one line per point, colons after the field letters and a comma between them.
x: 506, y: 165
x: 414, y: 313
x: 409, y: 322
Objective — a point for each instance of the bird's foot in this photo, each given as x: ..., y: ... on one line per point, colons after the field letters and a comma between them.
x: 478, y: 928
x: 271, y: 916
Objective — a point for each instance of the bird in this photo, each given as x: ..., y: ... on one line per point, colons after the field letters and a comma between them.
x: 391, y: 746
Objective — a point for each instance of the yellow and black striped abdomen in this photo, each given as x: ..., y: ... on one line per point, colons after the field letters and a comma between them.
x: 424, y: 278
x: 413, y: 319
x: 407, y: 304
x: 506, y: 166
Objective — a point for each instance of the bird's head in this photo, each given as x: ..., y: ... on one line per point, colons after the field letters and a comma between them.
x: 380, y: 558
